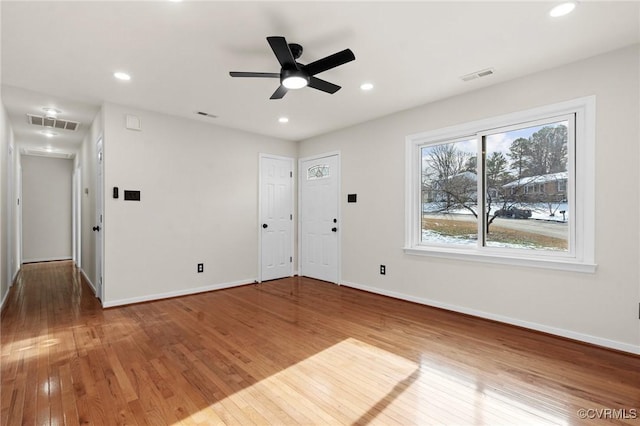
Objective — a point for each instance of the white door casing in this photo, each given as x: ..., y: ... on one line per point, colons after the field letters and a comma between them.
x: 319, y: 183
x: 12, y: 207
x: 275, y: 232
x: 11, y: 203
x: 19, y: 216
x: 99, y: 227
x: 77, y: 216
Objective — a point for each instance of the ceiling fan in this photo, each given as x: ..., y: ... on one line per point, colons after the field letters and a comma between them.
x: 294, y: 75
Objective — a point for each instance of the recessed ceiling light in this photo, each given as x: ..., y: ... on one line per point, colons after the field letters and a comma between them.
x: 48, y: 133
x: 366, y: 86
x: 562, y: 9
x: 283, y: 119
x: 122, y: 76
x: 51, y: 112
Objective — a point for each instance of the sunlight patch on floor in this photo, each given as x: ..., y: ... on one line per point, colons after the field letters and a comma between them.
x: 338, y: 385
x: 442, y: 395
x: 353, y: 382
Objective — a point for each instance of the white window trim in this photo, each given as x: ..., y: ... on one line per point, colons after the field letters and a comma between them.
x: 583, y: 257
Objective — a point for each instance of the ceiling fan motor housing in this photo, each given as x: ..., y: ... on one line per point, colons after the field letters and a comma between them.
x: 296, y: 50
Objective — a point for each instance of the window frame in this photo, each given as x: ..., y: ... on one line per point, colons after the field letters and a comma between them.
x: 581, y: 256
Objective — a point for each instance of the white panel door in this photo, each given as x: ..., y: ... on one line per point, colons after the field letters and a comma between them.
x: 276, y: 217
x: 319, y: 227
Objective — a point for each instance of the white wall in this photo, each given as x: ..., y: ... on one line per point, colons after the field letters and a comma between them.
x: 9, y: 213
x: 6, y: 136
x: 46, y: 208
x: 199, y: 204
x: 601, y: 308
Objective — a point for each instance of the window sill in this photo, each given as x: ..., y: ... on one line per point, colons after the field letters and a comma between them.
x: 571, y: 265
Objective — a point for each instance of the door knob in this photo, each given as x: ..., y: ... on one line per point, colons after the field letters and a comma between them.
x: 96, y: 228
x: 265, y: 226
x: 334, y: 229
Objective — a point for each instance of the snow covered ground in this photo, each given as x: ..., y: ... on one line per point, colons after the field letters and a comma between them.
x: 435, y: 238
x: 432, y: 237
x: 540, y: 211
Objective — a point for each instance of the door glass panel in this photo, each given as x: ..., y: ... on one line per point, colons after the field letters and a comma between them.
x: 319, y: 171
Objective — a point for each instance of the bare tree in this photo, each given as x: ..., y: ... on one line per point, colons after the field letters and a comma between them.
x: 441, y: 178
x: 450, y: 183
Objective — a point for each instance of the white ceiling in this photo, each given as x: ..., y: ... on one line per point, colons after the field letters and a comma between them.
x: 179, y: 54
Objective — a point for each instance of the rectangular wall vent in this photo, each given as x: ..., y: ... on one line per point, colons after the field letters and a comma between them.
x: 478, y: 74
x: 55, y: 123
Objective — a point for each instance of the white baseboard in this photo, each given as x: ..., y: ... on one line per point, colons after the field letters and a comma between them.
x: 4, y: 298
x: 178, y: 293
x: 6, y: 294
x: 84, y: 274
x: 587, y: 338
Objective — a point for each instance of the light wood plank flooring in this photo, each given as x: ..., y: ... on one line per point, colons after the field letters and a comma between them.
x: 291, y: 351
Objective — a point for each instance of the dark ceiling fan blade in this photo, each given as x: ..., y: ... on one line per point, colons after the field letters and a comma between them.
x: 279, y: 93
x: 322, y: 85
x: 283, y: 52
x: 254, y: 74
x: 329, y: 62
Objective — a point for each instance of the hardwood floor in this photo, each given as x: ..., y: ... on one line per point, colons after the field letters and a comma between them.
x: 292, y: 351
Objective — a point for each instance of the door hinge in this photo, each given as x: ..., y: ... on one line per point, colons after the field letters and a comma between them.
x: 290, y: 217
x: 291, y: 174
x: 290, y: 259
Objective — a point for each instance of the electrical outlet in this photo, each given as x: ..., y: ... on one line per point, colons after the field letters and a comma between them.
x: 200, y: 267
x: 383, y: 270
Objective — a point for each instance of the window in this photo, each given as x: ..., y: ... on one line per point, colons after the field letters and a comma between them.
x: 562, y: 186
x: 514, y: 189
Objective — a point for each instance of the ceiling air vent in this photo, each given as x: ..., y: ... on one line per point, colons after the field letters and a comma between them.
x: 478, y: 74
x: 43, y: 152
x: 57, y: 123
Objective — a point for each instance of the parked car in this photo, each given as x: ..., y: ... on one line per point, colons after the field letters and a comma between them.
x: 514, y: 213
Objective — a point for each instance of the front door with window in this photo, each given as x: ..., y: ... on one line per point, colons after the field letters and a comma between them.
x: 319, y: 221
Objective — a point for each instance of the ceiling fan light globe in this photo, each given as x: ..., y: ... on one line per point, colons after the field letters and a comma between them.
x: 295, y: 82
